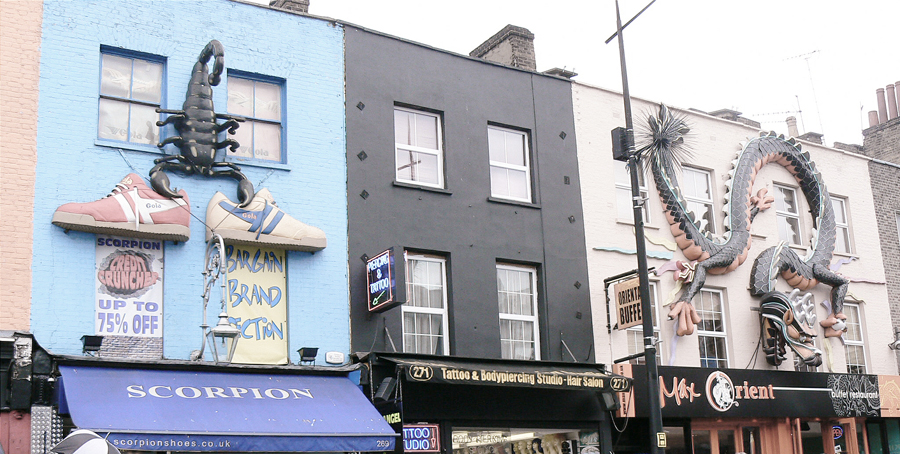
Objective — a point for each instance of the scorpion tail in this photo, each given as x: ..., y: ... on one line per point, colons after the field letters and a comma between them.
x: 214, y: 49
x: 160, y: 183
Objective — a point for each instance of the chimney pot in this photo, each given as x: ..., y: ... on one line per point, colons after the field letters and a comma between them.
x: 873, y: 118
x: 882, y: 107
x: 891, y: 102
x: 511, y: 46
x: 792, y: 127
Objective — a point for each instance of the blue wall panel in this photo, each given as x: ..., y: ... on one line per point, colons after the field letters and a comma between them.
x: 306, y: 53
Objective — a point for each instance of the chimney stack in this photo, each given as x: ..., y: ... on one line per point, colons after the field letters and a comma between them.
x: 512, y: 46
x: 882, y: 107
x: 294, y: 6
x: 792, y: 127
x: 891, y: 102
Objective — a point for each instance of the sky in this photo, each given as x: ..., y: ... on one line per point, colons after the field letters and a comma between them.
x: 819, y: 61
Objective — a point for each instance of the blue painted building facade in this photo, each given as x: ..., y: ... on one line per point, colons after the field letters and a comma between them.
x: 77, y: 162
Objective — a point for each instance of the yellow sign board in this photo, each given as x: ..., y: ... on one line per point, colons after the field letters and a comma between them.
x: 628, y: 303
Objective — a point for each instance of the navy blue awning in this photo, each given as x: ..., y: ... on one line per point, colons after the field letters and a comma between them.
x: 177, y: 410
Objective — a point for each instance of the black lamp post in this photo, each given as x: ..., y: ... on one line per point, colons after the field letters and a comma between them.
x: 657, y: 435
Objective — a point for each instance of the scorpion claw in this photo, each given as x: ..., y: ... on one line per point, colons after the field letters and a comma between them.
x: 160, y: 183
x: 245, y: 192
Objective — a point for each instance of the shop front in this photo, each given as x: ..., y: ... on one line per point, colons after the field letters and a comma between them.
x: 483, y: 406
x: 190, y: 408
x: 763, y: 412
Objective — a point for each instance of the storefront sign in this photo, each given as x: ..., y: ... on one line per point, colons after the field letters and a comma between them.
x: 129, y: 282
x: 381, y: 284
x: 421, y: 438
x: 628, y: 303
x: 699, y: 392
x: 889, y: 390
x: 558, y: 379
x: 257, y: 303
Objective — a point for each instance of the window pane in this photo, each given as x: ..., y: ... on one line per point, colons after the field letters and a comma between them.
x: 240, y: 96
x: 496, y: 145
x: 147, y: 83
x: 515, y: 149
x: 499, y: 182
x: 839, y: 215
x: 426, y: 131
x: 113, y: 120
x: 785, y: 201
x: 843, y: 240
x: 244, y: 136
x: 426, y: 170
x: 267, y: 141
x: 267, y: 105
x: 143, y: 124
x: 518, y: 184
x: 401, y: 127
x: 115, y: 78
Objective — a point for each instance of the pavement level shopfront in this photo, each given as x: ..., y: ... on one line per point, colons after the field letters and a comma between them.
x: 765, y: 411
x: 449, y: 404
x: 221, y: 409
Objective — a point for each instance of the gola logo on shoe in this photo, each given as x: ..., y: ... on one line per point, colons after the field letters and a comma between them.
x: 127, y: 180
x: 154, y: 205
x: 249, y: 215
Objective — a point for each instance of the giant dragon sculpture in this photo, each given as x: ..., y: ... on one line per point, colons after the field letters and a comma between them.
x: 781, y: 324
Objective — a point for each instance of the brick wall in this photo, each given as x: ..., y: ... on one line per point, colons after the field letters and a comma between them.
x: 883, y: 141
x: 512, y: 46
x: 20, y: 54
x: 74, y: 167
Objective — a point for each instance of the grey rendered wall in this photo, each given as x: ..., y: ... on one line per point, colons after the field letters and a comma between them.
x: 461, y: 223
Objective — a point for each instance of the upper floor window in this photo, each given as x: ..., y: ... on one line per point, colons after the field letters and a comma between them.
x: 854, y: 344
x: 418, y: 148
x: 260, y: 102
x: 842, y: 225
x: 636, y: 333
x: 711, y: 331
x: 788, y: 215
x: 517, y: 298
x: 624, y: 202
x: 697, y: 192
x: 509, y: 161
x: 425, y: 312
x: 130, y: 93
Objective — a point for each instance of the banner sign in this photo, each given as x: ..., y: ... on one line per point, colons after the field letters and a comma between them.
x: 129, y: 287
x: 380, y: 281
x: 628, y: 303
x: 485, y: 374
x: 421, y: 438
x: 691, y: 392
x: 257, y: 303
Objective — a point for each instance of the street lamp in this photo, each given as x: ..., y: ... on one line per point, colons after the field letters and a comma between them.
x: 223, y: 337
x: 632, y: 156
x: 223, y: 340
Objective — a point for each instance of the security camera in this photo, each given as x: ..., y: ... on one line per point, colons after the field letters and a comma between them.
x: 894, y: 345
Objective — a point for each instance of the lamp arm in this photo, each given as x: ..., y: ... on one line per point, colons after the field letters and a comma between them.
x: 215, y: 267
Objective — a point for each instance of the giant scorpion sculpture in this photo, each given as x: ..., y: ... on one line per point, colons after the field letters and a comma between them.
x: 198, y: 131
x: 721, y: 255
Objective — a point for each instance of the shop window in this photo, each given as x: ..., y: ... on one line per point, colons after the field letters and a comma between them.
x: 624, y: 203
x: 509, y: 162
x: 418, y: 148
x: 259, y: 100
x: 711, y: 332
x: 517, y: 299
x: 854, y: 344
x: 842, y: 225
x: 788, y: 215
x: 636, y: 333
x: 130, y: 92
x: 513, y: 441
x: 425, y: 312
x: 697, y: 192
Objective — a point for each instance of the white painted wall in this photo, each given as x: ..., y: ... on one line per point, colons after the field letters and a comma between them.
x: 715, y: 142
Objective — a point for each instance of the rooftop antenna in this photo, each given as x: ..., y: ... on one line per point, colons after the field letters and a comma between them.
x: 812, y: 85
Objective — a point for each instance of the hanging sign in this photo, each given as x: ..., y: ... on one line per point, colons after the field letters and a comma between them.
x: 380, y: 281
x: 421, y: 438
x: 628, y: 303
x: 129, y: 282
x: 257, y: 303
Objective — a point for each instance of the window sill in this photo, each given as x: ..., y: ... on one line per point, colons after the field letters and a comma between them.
x: 262, y: 164
x: 514, y: 202
x: 128, y: 146
x: 401, y: 184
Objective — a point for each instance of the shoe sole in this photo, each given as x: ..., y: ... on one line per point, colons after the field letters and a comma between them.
x: 86, y: 223
x: 249, y: 238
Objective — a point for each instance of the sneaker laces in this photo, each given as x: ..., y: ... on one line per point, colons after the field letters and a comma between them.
x: 120, y: 187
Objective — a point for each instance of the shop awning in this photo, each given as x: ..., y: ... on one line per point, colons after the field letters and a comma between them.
x: 510, y: 373
x: 178, y: 410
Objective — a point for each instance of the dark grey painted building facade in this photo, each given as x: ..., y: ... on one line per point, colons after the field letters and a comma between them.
x: 435, y: 146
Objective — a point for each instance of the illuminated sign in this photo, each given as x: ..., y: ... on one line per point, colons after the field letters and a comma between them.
x: 380, y: 282
x: 421, y: 438
x: 628, y: 303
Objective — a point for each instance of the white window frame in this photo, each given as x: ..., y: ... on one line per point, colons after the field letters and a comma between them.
x: 784, y: 216
x: 842, y: 229
x: 248, y: 151
x: 635, y: 334
x: 438, y: 153
x: 855, y: 325
x: 130, y: 100
x: 533, y: 319
x: 623, y: 192
x: 409, y: 308
x: 691, y: 196
x: 703, y: 309
x: 504, y: 165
